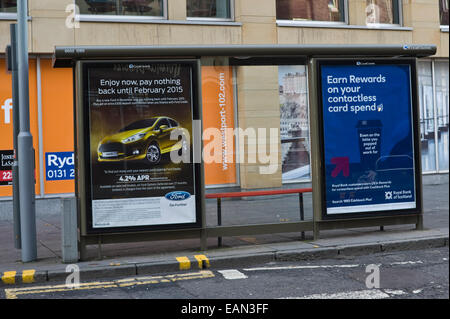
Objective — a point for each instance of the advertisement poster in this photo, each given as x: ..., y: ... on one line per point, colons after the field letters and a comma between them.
x: 133, y: 110
x: 6, y: 164
x: 6, y: 131
x: 59, y: 166
x: 368, y: 137
x: 218, y: 112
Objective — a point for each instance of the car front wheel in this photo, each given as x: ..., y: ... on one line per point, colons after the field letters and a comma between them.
x: 153, y: 154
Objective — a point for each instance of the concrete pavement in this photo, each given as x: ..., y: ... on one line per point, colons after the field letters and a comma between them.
x: 170, y: 256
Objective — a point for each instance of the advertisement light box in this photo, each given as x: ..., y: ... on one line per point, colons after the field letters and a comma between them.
x: 132, y: 112
x: 368, y: 137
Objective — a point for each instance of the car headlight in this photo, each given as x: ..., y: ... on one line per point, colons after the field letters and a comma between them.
x: 133, y: 138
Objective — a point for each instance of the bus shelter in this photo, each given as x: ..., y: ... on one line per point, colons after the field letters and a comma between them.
x: 139, y: 137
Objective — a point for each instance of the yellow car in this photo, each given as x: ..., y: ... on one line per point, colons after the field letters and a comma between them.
x: 145, y: 140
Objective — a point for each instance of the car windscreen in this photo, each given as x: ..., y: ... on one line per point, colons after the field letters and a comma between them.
x: 138, y: 125
x: 173, y: 123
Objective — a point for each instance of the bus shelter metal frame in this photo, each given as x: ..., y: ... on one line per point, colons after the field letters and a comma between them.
x: 67, y: 57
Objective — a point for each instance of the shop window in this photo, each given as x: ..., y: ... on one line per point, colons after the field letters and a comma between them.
x: 8, y: 6
x: 148, y: 8
x: 309, y: 10
x: 209, y: 9
x: 382, y: 12
x: 443, y: 12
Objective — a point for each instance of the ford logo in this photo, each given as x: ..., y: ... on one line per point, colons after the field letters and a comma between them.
x: 178, y: 195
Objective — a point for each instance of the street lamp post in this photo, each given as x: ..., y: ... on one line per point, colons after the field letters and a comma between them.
x: 25, y: 143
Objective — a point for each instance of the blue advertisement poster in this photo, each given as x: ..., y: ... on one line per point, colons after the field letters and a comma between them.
x: 368, y: 137
x: 59, y: 166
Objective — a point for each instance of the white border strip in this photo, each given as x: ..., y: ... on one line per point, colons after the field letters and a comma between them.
x: 40, y: 126
x: 370, y: 208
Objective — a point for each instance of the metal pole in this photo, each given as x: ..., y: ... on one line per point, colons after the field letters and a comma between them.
x: 25, y: 143
x: 219, y: 219
x: 302, y: 212
x: 16, y: 130
x: 419, y: 224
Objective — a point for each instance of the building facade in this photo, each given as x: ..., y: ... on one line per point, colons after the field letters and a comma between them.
x: 258, y: 96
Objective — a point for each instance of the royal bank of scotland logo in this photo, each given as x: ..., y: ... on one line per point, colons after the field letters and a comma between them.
x: 387, y: 195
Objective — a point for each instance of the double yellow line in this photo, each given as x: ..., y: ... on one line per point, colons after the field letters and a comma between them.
x: 13, y: 293
x: 28, y: 276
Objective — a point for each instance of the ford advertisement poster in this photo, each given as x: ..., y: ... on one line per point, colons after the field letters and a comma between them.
x: 138, y: 113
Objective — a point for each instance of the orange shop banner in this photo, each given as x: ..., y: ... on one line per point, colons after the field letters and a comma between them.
x: 57, y: 128
x: 6, y: 126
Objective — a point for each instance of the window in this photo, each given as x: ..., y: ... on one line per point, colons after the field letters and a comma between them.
x: 8, y: 6
x: 162, y: 122
x: 442, y: 110
x: 443, y: 12
x: 173, y: 123
x: 309, y: 10
x: 382, y: 12
x: 147, y: 8
x: 294, y: 123
x: 434, y: 115
x: 210, y: 9
x: 426, y: 116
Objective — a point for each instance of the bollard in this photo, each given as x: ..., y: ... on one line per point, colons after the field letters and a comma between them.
x: 69, y: 240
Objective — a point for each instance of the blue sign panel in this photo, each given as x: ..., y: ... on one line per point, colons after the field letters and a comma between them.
x: 59, y: 166
x: 368, y: 137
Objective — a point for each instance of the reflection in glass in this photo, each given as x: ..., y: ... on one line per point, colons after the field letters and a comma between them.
x: 8, y: 6
x: 382, y: 12
x: 427, y: 127
x: 208, y: 9
x: 294, y: 122
x: 442, y: 110
x: 443, y: 11
x: 309, y: 10
x: 122, y: 7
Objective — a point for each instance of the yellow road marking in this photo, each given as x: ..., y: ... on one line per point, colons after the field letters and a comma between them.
x: 9, y: 277
x: 200, y: 259
x: 185, y: 263
x: 114, y: 264
x: 28, y: 276
x: 13, y: 293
